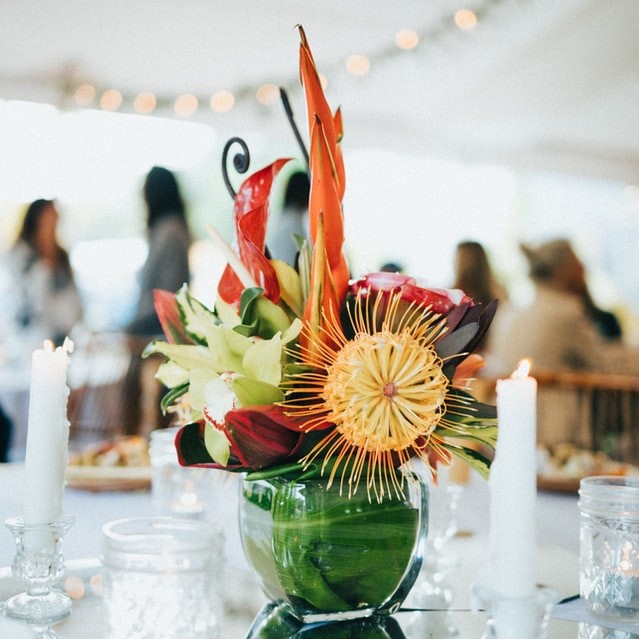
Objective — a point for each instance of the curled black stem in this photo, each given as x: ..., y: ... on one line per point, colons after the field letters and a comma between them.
x: 241, y: 162
x: 291, y: 120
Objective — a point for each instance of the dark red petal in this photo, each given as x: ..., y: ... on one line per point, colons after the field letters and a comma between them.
x: 262, y: 436
x: 189, y: 443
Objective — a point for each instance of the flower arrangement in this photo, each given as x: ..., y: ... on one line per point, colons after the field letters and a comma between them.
x: 303, y: 372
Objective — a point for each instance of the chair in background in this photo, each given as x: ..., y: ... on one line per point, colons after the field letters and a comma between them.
x: 96, y: 377
x: 598, y: 411
x: 594, y: 411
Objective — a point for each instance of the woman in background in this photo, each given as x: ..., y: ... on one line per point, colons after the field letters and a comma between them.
x: 473, y: 273
x: 167, y: 263
x: 47, y: 301
x: 474, y: 276
x: 167, y: 268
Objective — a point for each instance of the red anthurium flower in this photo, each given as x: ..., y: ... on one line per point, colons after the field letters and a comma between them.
x: 251, y: 217
x: 191, y: 451
x: 263, y: 436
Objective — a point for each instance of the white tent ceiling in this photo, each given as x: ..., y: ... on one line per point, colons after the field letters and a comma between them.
x: 537, y: 84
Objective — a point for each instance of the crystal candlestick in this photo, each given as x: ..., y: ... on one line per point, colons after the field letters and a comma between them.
x: 39, y: 564
x: 516, y: 617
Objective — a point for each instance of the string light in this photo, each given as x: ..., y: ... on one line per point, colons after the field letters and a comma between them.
x: 223, y: 101
x: 358, y: 64
x: 84, y: 95
x: 145, y: 103
x: 407, y: 39
x: 268, y: 94
x: 465, y: 19
x: 186, y: 105
x: 111, y: 100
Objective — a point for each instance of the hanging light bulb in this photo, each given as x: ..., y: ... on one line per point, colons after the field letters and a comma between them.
x: 111, y: 100
x: 267, y: 94
x: 466, y: 19
x: 186, y: 105
x: 406, y: 39
x: 84, y: 95
x: 222, y: 101
x: 358, y: 64
x: 145, y: 103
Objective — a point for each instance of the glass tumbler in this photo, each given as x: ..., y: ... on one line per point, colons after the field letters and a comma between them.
x: 178, y: 491
x: 609, y: 546
x: 162, y: 579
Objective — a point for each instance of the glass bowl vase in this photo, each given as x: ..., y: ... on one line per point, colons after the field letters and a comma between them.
x: 327, y: 556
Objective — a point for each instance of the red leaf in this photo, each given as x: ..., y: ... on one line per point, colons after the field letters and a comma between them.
x: 169, y: 315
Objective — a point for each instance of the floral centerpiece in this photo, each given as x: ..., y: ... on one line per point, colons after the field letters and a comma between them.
x: 305, y: 374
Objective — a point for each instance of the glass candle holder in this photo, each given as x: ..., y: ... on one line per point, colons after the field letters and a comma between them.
x: 609, y: 546
x: 39, y: 564
x: 162, y: 578
x: 177, y: 490
x: 517, y: 618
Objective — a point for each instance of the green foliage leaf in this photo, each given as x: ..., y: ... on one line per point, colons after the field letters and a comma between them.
x: 485, y: 434
x: 472, y: 457
x: 327, y: 555
x: 171, y: 396
x: 261, y: 314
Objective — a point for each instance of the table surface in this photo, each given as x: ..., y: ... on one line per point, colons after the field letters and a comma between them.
x: 558, y: 542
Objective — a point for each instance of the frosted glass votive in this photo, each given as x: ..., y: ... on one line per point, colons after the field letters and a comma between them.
x: 162, y: 579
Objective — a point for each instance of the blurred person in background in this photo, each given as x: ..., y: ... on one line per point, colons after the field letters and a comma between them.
x: 474, y: 275
x: 166, y: 267
x: 46, y: 300
x: 169, y: 239
x: 560, y: 331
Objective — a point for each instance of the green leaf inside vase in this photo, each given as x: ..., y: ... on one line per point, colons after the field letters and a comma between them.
x: 336, y: 554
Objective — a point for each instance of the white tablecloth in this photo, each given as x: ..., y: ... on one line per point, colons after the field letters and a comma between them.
x: 558, y: 535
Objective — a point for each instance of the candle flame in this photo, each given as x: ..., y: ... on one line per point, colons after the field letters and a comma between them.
x: 523, y: 369
x: 48, y: 345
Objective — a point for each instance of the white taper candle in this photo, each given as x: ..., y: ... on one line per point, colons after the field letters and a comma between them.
x: 47, y: 436
x: 513, y: 488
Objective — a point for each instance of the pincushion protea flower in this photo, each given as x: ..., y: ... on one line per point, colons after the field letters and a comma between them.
x: 302, y: 373
x: 382, y: 383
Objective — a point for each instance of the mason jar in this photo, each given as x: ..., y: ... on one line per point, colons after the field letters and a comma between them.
x: 609, y: 546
